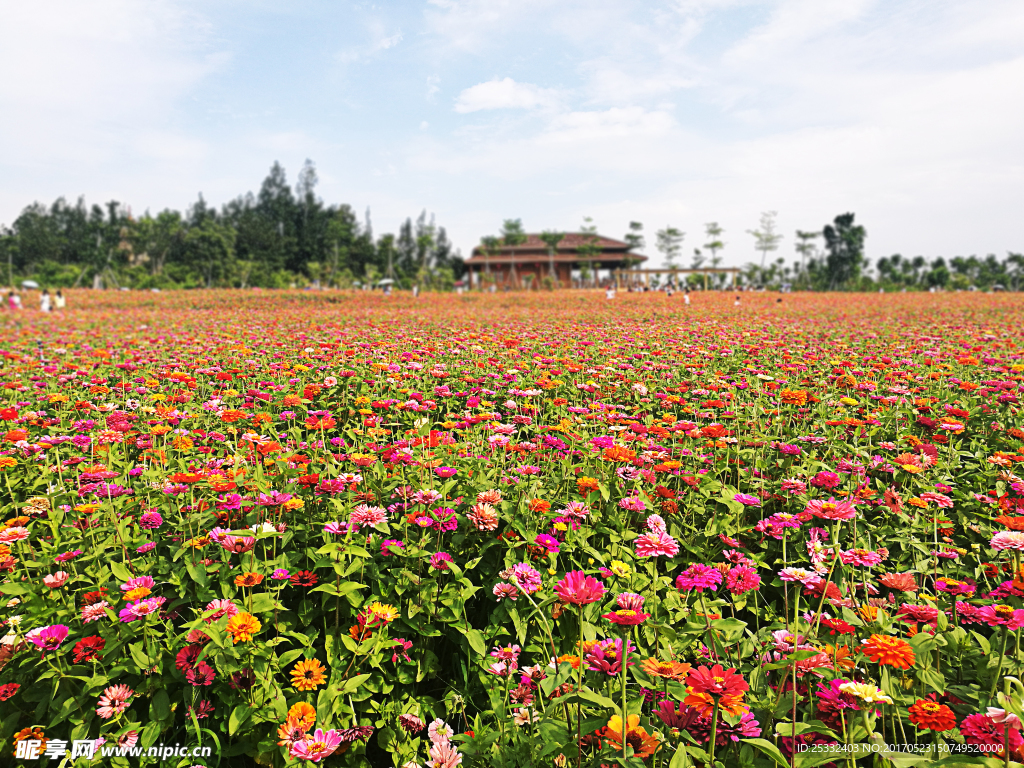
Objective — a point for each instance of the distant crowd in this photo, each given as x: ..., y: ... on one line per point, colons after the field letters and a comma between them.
x: 47, y: 303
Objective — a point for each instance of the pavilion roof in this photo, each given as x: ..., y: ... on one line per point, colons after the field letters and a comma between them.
x: 535, y: 249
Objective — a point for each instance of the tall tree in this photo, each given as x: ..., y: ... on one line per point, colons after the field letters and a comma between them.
x: 765, y: 237
x: 844, y: 242
x: 806, y: 246
x: 670, y: 244
x: 713, y: 232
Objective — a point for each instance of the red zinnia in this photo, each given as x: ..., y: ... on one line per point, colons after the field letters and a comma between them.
x: 88, y: 649
x: 8, y: 690
x: 716, y: 681
x: 303, y: 579
x: 929, y: 716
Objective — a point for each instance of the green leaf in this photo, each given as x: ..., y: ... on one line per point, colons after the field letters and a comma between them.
x: 680, y: 759
x: 239, y: 716
x: 353, y: 683
x: 120, y: 572
x: 596, y: 698
x: 160, y: 709
x: 476, y: 641
x: 14, y: 589
x: 767, y: 748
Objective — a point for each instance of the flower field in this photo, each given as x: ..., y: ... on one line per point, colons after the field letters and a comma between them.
x: 528, y: 530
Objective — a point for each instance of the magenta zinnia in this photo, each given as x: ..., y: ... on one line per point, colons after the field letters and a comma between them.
x: 699, y: 577
x: 576, y: 588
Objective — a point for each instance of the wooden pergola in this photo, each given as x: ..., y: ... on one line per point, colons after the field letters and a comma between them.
x: 624, y: 275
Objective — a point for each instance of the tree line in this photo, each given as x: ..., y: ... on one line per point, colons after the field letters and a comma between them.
x: 832, y: 258
x: 281, y: 237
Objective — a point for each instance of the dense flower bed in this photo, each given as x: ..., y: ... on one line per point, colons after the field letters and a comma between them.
x: 540, y: 530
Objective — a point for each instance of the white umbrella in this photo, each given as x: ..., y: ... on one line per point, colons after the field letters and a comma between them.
x: 29, y: 284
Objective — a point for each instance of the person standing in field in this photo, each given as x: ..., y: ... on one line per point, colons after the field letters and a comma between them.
x: 45, y: 303
x: 58, y: 300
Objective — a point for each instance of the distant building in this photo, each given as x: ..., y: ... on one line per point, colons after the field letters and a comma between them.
x: 526, y: 265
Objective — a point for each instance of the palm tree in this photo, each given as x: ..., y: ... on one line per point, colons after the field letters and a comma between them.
x: 551, y: 239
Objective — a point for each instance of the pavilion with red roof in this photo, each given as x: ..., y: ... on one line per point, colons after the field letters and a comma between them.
x: 577, y: 259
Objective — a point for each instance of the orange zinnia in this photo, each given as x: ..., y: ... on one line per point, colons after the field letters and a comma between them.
x: 673, y: 670
x: 308, y: 675
x: 248, y: 579
x: 889, y: 651
x: 242, y: 626
x: 929, y: 716
x: 840, y: 655
x: 644, y: 744
x: 304, y: 714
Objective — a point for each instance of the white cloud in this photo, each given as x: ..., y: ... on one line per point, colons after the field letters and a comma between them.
x: 504, y: 94
x: 433, y: 86
x: 627, y: 123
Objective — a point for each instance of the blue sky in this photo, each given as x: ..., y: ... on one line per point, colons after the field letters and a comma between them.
x: 908, y: 113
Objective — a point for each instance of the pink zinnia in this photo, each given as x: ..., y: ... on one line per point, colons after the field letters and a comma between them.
x: 805, y: 577
x: 632, y: 503
x: 526, y: 577
x: 576, y: 588
x: 220, y: 608
x: 860, y: 557
x: 94, y: 612
x: 831, y: 509
x: 48, y: 638
x: 317, y: 746
x: 439, y: 561
x: 656, y: 544
x: 445, y: 755
x: 1008, y: 540
x: 576, y: 509
x: 984, y: 730
x: 1002, y: 615
x: 139, y: 581
x: 699, y: 577
x: 504, y: 590
x: 940, y: 499
x: 747, y: 500
x: 56, y: 580
x: 630, y: 601
x: 368, y: 516
x: 656, y: 523
x: 742, y: 579
x: 114, y: 701
x: 606, y: 656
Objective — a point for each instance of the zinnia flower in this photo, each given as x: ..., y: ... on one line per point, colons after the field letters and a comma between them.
x: 317, y: 746
x: 866, y: 692
x: 644, y: 744
x: 699, y: 577
x: 576, y: 588
x: 984, y: 730
x: 48, y: 638
x: 930, y: 716
x: 656, y: 544
x: 308, y: 675
x: 716, y: 681
x: 1008, y: 540
x: 242, y: 627
x: 889, y: 651
x: 831, y: 509
x: 114, y: 701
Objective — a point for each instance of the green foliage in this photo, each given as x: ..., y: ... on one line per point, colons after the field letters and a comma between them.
x: 274, y: 239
